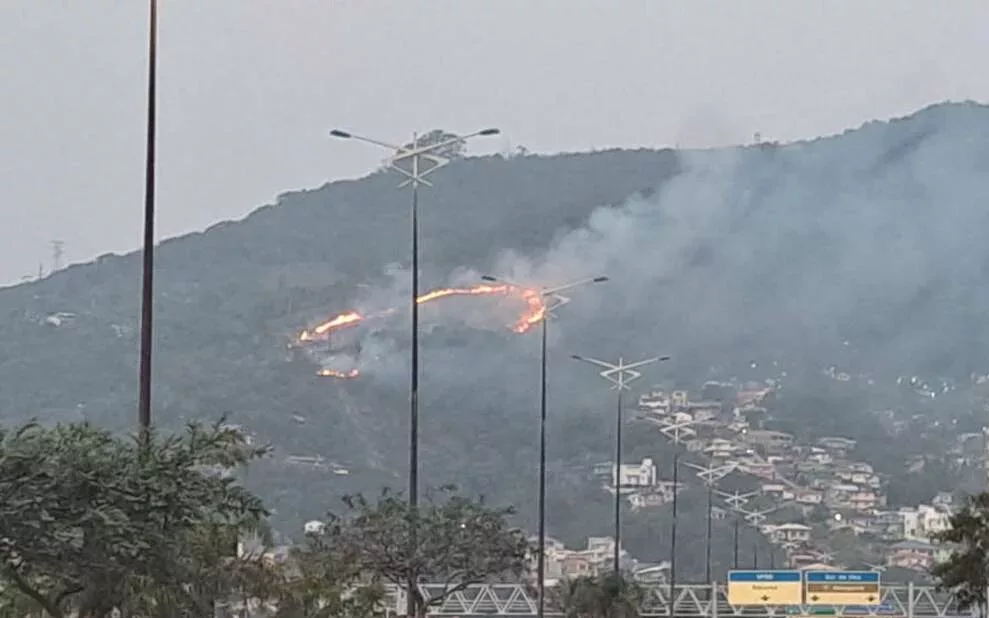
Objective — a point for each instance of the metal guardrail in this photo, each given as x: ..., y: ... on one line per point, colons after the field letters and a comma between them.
x: 690, y: 601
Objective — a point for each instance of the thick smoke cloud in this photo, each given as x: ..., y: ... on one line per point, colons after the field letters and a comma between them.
x: 865, y: 250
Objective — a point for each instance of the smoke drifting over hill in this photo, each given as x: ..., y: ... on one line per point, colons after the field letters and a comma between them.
x: 864, y: 250
x: 867, y: 245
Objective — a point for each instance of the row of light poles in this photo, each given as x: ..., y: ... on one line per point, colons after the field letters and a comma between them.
x: 420, y: 161
x: 620, y: 375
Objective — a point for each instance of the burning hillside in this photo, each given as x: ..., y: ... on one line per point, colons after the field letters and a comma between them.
x: 533, y: 312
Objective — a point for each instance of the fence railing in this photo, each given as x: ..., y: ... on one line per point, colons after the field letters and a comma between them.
x: 689, y: 600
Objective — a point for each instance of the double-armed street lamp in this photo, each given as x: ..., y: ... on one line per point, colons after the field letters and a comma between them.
x: 415, y: 171
x: 676, y: 431
x: 620, y: 376
x: 711, y: 475
x: 735, y: 500
x: 552, y: 299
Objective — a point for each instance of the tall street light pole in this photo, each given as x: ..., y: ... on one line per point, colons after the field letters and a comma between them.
x: 710, y: 475
x: 552, y: 300
x: 734, y: 560
x: 736, y: 500
x: 675, y: 431
x: 620, y: 376
x: 148, y: 253
x: 415, y: 175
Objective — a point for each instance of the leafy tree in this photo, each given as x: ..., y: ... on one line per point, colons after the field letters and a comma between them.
x: 459, y: 542
x: 966, y: 571
x: 319, y: 582
x: 601, y: 596
x: 93, y: 522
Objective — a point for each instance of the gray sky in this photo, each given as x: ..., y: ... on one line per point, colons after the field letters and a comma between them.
x: 249, y: 88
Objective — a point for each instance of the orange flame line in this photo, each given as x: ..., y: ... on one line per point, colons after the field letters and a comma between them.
x: 332, y: 373
x: 534, y: 313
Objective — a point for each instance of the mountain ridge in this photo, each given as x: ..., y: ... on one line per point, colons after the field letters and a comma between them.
x: 820, y: 252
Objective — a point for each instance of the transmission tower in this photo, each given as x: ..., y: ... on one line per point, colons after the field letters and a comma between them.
x: 58, y: 250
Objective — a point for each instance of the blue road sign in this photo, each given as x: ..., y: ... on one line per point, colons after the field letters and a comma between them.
x: 842, y: 588
x: 865, y: 577
x: 764, y: 588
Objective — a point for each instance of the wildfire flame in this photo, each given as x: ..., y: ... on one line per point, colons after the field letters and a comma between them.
x: 535, y: 312
x: 344, y: 375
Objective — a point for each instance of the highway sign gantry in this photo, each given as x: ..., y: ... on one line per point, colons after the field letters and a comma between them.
x: 764, y: 588
x: 842, y: 588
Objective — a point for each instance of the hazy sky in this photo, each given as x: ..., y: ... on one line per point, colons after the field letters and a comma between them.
x: 249, y: 88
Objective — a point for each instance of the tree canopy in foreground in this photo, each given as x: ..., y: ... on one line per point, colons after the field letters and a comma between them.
x: 966, y: 571
x: 92, y: 522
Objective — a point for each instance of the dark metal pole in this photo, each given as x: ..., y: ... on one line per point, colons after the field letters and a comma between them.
x: 673, y: 530
x: 755, y: 555
x: 772, y: 559
x: 414, y: 389
x: 618, y: 486
x: 734, y: 561
x: 707, y: 545
x: 541, y: 568
x: 147, y: 282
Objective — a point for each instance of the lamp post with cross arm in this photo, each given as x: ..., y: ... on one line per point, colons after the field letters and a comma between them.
x: 552, y: 299
x: 620, y: 376
x: 414, y: 156
x: 711, y: 475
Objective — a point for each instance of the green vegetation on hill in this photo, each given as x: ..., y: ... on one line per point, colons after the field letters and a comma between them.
x: 861, y: 250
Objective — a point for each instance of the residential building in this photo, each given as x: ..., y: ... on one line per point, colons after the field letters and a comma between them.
x: 719, y: 448
x: 915, y: 555
x: 657, y: 495
x: 863, y: 500
x: 921, y: 522
x: 632, y: 476
x: 809, y: 497
x: 772, y: 441
x: 788, y: 533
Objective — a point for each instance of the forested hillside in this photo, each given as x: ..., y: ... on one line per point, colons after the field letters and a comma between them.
x: 864, y: 250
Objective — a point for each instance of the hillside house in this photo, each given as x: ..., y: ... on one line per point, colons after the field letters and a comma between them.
x: 634, y: 476
x: 680, y: 399
x: 719, y: 448
x: 839, y: 447
x: 657, y: 495
x: 771, y: 441
x: 864, y: 501
x: 761, y: 469
x: 651, y: 573
x: 837, y: 495
x: 887, y: 525
x: 777, y: 491
x: 655, y: 401
x: 819, y: 456
x: 915, y: 555
x: 703, y: 411
x: 921, y: 522
x: 809, y: 497
x: 788, y: 533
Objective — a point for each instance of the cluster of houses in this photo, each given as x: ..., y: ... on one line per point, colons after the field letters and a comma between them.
x: 798, y: 495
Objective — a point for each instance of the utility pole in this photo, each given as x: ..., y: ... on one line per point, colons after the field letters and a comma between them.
x: 620, y: 375
x: 148, y: 247
x: 58, y: 250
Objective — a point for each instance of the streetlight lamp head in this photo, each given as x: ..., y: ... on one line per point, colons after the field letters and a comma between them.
x: 489, y: 132
x: 576, y: 357
x: 488, y: 278
x: 599, y: 279
x: 664, y: 358
x: 340, y: 134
